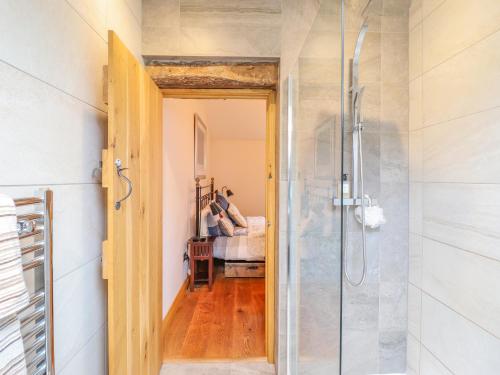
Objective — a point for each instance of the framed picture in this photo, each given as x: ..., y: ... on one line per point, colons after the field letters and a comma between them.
x: 200, y: 148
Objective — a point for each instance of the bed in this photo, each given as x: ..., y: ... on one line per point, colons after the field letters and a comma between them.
x: 244, y: 253
x: 247, y: 244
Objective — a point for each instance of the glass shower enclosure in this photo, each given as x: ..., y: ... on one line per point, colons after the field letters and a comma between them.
x: 348, y: 192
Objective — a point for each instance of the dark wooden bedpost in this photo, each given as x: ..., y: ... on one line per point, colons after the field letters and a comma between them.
x: 198, y: 213
x: 212, y: 187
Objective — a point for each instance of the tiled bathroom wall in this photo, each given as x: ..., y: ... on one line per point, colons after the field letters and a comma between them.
x: 212, y: 28
x: 453, y: 301
x: 53, y: 125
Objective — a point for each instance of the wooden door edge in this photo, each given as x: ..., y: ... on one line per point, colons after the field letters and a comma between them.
x: 270, y: 315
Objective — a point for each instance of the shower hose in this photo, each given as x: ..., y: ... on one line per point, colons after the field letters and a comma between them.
x: 363, y: 227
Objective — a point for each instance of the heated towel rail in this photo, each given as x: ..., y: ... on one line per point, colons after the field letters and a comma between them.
x: 34, y: 226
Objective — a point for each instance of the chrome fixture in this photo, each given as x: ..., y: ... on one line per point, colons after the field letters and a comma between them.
x: 34, y: 227
x: 357, y: 157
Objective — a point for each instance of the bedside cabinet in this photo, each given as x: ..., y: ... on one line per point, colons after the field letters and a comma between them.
x: 201, y: 251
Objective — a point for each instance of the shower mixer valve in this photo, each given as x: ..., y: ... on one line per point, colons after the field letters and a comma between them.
x: 337, y: 202
x: 359, y: 126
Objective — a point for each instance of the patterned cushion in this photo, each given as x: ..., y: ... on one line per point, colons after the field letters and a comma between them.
x: 226, y: 226
x: 216, y: 208
x: 236, y: 216
x: 219, y: 216
x: 222, y: 201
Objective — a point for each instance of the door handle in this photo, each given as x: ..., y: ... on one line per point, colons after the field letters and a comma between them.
x: 119, y: 171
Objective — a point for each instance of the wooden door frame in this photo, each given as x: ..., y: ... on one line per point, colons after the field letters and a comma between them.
x: 272, y: 149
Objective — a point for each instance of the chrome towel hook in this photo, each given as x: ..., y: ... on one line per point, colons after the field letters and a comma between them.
x: 119, y: 171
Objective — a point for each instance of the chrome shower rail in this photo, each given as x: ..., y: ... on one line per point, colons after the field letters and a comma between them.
x: 34, y: 226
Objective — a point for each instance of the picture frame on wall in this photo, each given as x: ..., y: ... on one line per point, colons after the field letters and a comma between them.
x: 200, y: 148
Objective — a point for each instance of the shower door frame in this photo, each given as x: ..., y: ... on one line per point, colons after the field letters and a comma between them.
x: 342, y: 162
x: 292, y: 350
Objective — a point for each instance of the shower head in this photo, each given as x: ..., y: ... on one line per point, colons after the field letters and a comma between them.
x: 357, y: 54
x: 359, y: 43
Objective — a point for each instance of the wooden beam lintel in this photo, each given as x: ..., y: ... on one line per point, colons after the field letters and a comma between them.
x: 223, y: 76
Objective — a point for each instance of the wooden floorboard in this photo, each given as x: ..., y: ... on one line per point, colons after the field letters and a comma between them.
x: 227, y: 323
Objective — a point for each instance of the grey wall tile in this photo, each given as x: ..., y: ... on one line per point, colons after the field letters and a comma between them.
x: 415, y: 259
x: 61, y: 136
x: 415, y: 14
x: 464, y: 281
x: 392, y: 352
x: 430, y: 365
x: 446, y: 35
x: 414, y: 310
x: 463, y: 215
x: 463, y: 150
x: 395, y: 57
x: 412, y: 356
x: 457, y: 88
x: 460, y: 345
x: 394, y: 156
x: 394, y: 108
x: 79, y: 52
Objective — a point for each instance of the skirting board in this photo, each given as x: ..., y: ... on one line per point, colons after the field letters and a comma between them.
x: 181, y: 294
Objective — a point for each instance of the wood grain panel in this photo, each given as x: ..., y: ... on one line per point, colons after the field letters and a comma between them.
x: 271, y: 186
x: 132, y: 258
x: 217, y: 93
x: 215, y: 76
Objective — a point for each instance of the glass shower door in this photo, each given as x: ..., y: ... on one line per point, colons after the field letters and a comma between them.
x: 348, y: 139
x: 314, y: 225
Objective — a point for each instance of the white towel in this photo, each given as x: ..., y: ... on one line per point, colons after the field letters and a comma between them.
x: 12, y: 360
x: 14, y: 295
x: 13, y: 292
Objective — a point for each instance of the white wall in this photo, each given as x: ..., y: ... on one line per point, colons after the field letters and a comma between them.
x: 240, y: 164
x: 453, y: 304
x: 52, y: 130
x: 238, y: 150
x: 179, y: 191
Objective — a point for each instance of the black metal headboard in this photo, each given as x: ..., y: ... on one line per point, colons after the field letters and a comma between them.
x: 203, y: 200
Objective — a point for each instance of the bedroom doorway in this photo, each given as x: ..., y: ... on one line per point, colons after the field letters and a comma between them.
x: 234, y: 319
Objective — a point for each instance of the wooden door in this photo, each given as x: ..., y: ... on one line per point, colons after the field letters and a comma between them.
x: 271, y: 224
x: 132, y: 253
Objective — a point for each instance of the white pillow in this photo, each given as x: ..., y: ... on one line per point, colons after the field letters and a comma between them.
x: 204, y: 221
x: 236, y: 216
